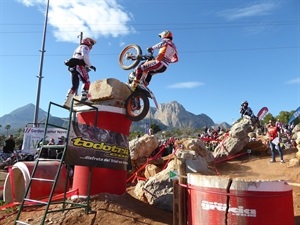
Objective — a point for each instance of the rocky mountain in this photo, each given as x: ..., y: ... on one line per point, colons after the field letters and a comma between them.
x: 173, y: 115
x: 20, y: 117
x: 23, y: 116
x: 169, y: 116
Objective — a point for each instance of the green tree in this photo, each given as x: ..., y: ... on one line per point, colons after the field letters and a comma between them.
x: 134, y: 134
x: 7, y: 127
x: 19, y: 138
x: 155, y: 128
x: 177, y: 132
x: 284, y: 116
x: 266, y: 119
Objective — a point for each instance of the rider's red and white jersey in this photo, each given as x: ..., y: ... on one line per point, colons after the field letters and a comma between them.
x: 82, y: 52
x: 167, y: 52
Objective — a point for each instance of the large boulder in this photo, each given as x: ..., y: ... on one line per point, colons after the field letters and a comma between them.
x: 298, y: 148
x: 158, y: 190
x: 142, y: 147
x: 109, y: 92
x: 237, y: 139
x: 196, y: 145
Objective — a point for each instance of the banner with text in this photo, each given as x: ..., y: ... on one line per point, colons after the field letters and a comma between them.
x: 34, y: 135
x: 295, y: 115
x: 97, y: 147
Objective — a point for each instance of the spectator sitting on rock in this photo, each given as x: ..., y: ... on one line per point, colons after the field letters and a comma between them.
x: 246, y: 110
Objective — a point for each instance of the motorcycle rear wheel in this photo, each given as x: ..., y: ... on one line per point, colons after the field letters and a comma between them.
x: 130, y: 57
x: 137, y: 106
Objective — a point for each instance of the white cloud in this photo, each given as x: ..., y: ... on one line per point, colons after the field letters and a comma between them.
x: 93, y: 18
x: 259, y: 9
x: 294, y: 81
x: 186, y: 85
x: 31, y: 2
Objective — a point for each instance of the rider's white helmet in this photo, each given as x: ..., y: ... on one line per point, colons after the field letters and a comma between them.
x: 166, y: 34
x: 88, y: 41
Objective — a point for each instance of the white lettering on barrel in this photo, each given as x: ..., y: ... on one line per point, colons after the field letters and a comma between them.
x: 237, y: 211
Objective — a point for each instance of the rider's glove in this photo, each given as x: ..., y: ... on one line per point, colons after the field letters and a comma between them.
x: 150, y: 50
x: 93, y: 68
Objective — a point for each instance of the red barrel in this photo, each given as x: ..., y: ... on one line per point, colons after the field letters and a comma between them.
x: 106, y: 178
x: 103, y: 181
x: 221, y: 200
x: 17, y: 181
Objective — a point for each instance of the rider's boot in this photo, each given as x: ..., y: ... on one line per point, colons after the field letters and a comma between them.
x: 134, y: 84
x: 145, y: 83
x: 69, y: 97
x: 84, y: 96
x: 136, y: 81
x: 131, y: 77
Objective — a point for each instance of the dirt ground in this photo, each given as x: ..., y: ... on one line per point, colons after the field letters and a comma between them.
x: 126, y: 209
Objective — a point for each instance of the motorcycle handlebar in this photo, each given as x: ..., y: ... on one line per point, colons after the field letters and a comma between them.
x: 148, y: 56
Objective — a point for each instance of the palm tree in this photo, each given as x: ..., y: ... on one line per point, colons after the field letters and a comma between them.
x: 7, y: 127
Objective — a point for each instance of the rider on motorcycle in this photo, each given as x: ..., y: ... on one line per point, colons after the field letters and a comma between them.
x: 167, y: 54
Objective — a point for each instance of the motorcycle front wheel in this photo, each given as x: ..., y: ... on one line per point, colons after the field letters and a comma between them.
x: 130, y: 57
x: 137, y: 106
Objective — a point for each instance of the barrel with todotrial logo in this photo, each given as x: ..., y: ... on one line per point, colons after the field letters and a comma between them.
x: 98, y: 146
x: 218, y: 200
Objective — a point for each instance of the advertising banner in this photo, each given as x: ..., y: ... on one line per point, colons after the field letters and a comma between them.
x: 295, y: 115
x: 262, y: 113
x: 96, y: 147
x: 34, y: 135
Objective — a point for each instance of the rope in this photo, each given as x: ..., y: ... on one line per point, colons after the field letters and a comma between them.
x: 230, y: 157
x: 157, y: 155
x: 54, y: 198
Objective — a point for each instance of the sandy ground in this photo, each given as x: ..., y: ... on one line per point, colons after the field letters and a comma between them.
x: 126, y: 209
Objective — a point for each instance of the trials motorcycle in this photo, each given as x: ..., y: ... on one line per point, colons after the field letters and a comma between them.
x: 137, y: 104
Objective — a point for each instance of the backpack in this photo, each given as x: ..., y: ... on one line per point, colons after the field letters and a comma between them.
x: 74, y: 62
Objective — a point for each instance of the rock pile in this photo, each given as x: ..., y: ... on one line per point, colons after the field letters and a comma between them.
x: 157, y: 188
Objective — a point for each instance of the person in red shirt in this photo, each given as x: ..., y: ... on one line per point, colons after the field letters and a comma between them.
x: 274, y: 140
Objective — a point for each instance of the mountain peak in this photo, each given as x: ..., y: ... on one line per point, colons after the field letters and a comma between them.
x: 20, y: 117
x: 29, y: 108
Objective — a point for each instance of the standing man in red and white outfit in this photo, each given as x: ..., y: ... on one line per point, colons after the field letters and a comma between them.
x: 274, y: 141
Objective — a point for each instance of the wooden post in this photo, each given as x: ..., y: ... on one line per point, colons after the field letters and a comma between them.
x: 175, y: 203
x: 182, y: 193
x: 179, y: 194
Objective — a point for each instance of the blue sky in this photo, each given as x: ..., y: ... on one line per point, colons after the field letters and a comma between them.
x: 229, y: 50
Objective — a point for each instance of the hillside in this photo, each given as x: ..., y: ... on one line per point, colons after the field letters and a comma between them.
x: 23, y: 116
x: 170, y: 115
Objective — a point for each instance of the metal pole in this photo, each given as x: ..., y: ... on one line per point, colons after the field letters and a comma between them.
x: 80, y: 37
x: 37, y: 104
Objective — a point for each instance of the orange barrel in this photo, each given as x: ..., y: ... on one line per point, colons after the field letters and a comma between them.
x: 218, y: 200
x: 18, y: 177
x: 104, y: 151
